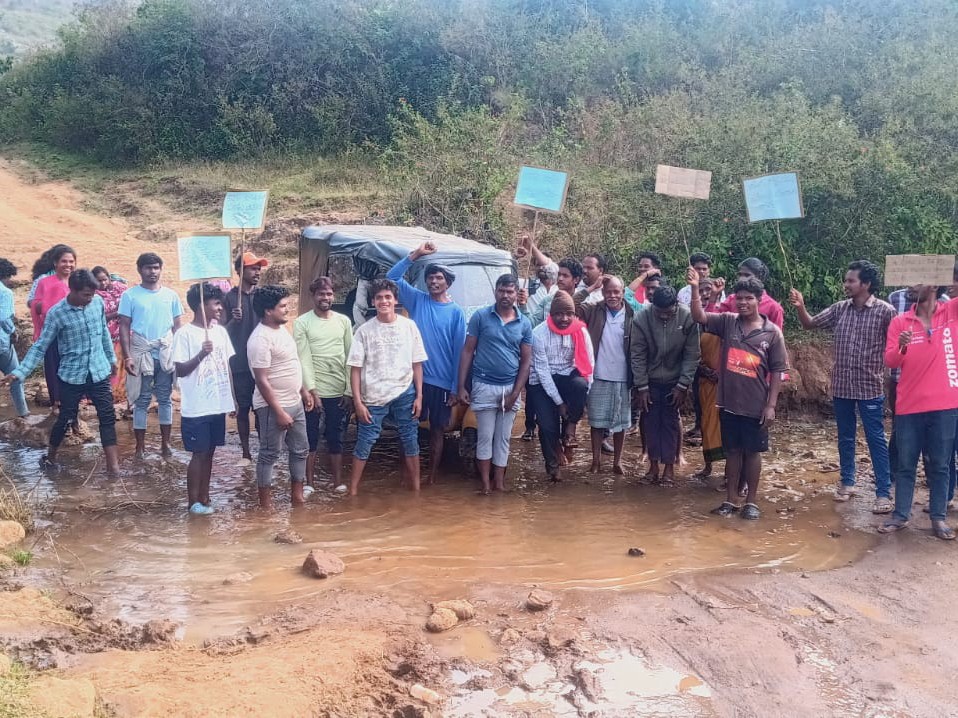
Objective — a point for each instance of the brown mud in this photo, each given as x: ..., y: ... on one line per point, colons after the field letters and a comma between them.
x: 132, y: 608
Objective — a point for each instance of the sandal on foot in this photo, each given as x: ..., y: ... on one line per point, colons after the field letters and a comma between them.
x: 943, y: 531
x: 528, y: 435
x: 726, y: 509
x: 844, y: 493
x: 890, y: 527
x: 883, y: 505
x: 751, y: 512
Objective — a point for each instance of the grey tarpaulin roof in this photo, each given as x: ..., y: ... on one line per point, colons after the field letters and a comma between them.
x: 387, y: 245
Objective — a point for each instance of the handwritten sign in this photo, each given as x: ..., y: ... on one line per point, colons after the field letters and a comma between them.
x: 908, y: 270
x: 776, y: 196
x: 204, y: 256
x: 540, y: 189
x: 681, y: 182
x: 245, y: 210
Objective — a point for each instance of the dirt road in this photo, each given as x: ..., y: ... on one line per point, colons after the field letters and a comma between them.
x: 39, y: 213
x: 720, y: 628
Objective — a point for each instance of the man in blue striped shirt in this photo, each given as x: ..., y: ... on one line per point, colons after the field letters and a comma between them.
x: 87, y: 361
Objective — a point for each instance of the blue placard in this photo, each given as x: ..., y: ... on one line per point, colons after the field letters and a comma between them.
x: 204, y: 257
x: 245, y: 210
x: 541, y: 189
x: 777, y: 196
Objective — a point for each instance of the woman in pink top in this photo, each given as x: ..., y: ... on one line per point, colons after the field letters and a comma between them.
x: 922, y: 344
x: 51, y: 290
x: 752, y: 267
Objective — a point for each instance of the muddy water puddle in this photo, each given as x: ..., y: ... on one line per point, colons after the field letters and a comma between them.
x: 130, y: 545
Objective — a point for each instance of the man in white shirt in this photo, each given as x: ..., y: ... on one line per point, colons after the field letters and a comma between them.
x: 201, y: 353
x: 385, y: 362
x: 562, y: 365
x: 280, y: 401
x: 594, y: 267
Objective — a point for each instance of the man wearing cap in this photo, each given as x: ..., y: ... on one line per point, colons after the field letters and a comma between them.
x: 442, y: 324
x: 240, y: 320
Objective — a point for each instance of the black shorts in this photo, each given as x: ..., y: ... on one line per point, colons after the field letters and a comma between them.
x: 243, y: 386
x: 434, y: 407
x: 332, y: 421
x: 743, y: 433
x: 203, y: 433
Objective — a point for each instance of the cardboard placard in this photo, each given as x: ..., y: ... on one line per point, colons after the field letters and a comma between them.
x: 775, y: 196
x: 682, y: 182
x: 908, y: 270
x: 204, y: 255
x: 245, y: 210
x: 541, y: 189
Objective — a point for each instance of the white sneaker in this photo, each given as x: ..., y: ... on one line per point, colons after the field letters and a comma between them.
x: 308, y: 491
x: 199, y: 509
x: 341, y: 489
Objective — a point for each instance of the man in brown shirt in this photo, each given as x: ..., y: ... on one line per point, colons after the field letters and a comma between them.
x: 753, y: 360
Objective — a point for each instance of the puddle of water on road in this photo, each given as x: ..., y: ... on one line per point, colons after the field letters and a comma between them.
x: 131, y: 545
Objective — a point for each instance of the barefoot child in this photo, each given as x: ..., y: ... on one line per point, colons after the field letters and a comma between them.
x: 201, y: 353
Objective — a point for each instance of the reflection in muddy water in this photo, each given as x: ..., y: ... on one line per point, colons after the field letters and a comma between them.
x: 131, y: 543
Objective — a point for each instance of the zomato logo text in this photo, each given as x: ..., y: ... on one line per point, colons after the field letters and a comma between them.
x: 951, y: 362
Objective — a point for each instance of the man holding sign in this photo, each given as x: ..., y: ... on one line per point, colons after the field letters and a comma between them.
x: 239, y: 321
x: 201, y: 354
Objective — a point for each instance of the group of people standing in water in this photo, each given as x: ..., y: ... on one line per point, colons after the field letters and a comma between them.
x: 584, y: 345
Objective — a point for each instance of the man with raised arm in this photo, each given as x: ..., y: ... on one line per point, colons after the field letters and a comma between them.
x: 859, y: 325
x: 442, y: 324
x: 753, y: 360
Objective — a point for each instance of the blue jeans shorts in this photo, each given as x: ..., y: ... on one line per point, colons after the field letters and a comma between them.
x: 399, y: 410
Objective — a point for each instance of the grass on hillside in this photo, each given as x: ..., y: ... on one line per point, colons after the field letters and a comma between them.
x: 297, y: 184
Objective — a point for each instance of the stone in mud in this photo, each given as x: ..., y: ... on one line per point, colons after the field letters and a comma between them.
x: 159, y: 631
x: 59, y: 698
x: 636, y: 552
x: 6, y: 562
x: 463, y: 609
x: 509, y: 637
x: 442, y: 619
x: 323, y: 564
x: 11, y: 532
x: 539, y: 600
x: 238, y: 577
x: 288, y: 536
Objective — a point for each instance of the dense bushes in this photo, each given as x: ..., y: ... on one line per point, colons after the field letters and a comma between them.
x: 860, y: 97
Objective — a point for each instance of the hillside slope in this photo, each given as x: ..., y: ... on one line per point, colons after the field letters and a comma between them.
x: 27, y: 23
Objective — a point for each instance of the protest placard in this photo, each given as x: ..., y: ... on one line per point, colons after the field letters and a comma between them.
x: 774, y: 196
x: 204, y: 256
x: 541, y: 189
x: 245, y: 210
x: 682, y: 182
x: 907, y: 270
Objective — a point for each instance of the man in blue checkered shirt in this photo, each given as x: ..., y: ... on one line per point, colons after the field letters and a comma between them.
x: 87, y: 361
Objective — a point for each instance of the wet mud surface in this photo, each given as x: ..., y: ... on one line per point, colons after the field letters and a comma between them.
x: 804, y: 612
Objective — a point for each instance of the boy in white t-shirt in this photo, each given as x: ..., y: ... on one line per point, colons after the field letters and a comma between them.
x: 385, y: 362
x: 201, y: 352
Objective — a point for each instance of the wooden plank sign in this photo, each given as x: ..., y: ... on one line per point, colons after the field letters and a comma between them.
x: 682, y: 182
x: 908, y: 270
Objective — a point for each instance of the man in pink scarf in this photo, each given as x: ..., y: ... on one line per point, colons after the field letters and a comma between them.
x: 562, y: 363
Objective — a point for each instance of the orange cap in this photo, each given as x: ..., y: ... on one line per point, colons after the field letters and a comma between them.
x: 251, y: 260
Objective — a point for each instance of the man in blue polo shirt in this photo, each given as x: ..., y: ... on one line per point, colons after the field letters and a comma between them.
x: 87, y: 361
x: 496, y: 358
x: 442, y: 324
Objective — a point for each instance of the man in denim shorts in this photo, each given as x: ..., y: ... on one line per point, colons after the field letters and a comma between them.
x: 385, y: 362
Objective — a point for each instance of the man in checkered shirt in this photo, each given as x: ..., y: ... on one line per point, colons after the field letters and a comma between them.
x: 860, y: 326
x: 87, y: 361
